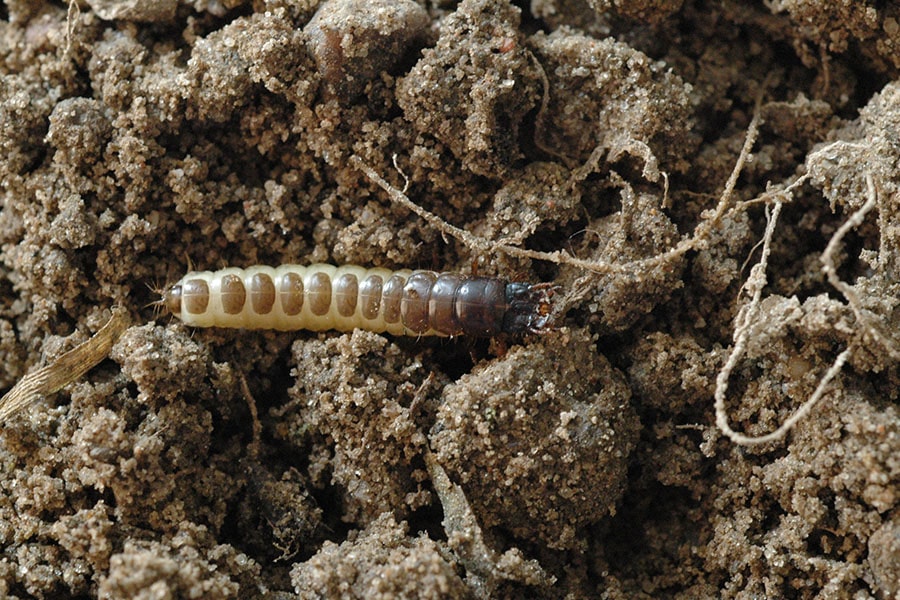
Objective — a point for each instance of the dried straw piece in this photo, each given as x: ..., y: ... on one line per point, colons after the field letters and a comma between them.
x: 69, y: 367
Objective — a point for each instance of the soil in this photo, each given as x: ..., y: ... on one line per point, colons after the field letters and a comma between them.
x: 139, y: 138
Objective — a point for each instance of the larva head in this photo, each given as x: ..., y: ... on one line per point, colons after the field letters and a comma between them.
x: 529, y: 307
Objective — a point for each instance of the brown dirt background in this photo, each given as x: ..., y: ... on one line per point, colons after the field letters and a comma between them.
x: 135, y: 138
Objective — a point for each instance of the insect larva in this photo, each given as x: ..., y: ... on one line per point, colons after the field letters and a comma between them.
x: 320, y: 297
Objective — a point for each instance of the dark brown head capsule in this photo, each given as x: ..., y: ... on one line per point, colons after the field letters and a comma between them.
x: 528, y: 307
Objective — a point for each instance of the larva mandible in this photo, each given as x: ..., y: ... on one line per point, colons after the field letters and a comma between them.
x: 319, y: 297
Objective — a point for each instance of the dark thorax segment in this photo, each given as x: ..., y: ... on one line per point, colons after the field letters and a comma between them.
x: 481, y: 305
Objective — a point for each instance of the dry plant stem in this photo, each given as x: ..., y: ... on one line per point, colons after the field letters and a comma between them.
x: 746, y: 317
x: 757, y: 281
x: 253, y: 447
x: 72, y: 14
x: 801, y: 412
x: 69, y: 367
x: 481, y: 245
x: 419, y: 398
x: 539, y: 126
x: 870, y: 327
x: 782, y: 195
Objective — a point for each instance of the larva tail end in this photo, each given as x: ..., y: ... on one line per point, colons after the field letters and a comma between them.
x: 159, y: 303
x: 529, y: 308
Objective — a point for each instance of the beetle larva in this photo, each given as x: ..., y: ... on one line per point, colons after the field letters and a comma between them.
x: 320, y: 297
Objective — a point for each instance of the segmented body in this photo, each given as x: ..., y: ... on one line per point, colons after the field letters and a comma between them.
x: 320, y: 297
